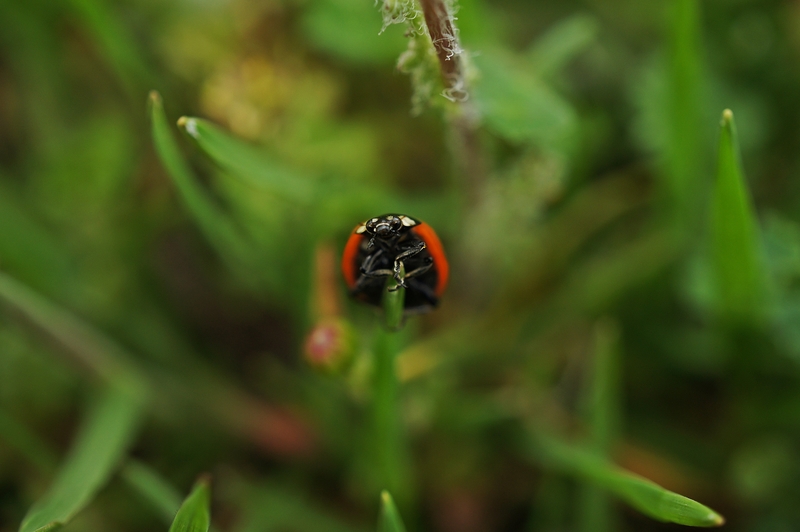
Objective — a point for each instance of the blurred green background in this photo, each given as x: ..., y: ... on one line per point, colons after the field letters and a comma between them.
x: 617, y: 288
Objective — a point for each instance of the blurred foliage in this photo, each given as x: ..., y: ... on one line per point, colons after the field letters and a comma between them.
x: 622, y: 322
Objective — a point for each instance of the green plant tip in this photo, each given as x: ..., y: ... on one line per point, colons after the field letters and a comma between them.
x: 727, y: 117
x: 189, y: 125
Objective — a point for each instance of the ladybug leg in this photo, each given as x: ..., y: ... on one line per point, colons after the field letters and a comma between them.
x: 367, y: 271
x: 410, y: 252
x: 374, y: 274
x: 422, y: 269
x: 366, y: 267
x: 398, y: 264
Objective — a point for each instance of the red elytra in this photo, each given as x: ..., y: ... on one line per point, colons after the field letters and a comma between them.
x: 374, y: 247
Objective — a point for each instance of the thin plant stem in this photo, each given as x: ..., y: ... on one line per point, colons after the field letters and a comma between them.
x: 448, y: 50
x: 602, y: 412
x: 390, y: 450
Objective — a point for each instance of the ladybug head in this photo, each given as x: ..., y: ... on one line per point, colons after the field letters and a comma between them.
x: 385, y: 227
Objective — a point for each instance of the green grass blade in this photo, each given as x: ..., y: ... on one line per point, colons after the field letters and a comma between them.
x: 736, y: 259
x: 389, y: 520
x: 391, y: 465
x: 683, y: 136
x: 602, y: 412
x: 138, y: 476
x: 114, y: 41
x: 216, y: 226
x: 27, y: 249
x: 642, y: 494
x: 246, y: 161
x: 602, y: 405
x: 194, y: 514
x: 391, y: 458
x: 88, y: 346
x: 150, y: 485
x: 101, y: 443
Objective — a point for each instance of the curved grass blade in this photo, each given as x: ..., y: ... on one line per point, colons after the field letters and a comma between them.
x: 246, y: 161
x: 389, y: 520
x: 101, y: 443
x: 736, y: 258
x: 27, y: 249
x: 90, y: 348
x: 194, y: 514
x: 642, y: 494
x: 137, y: 475
x: 113, y: 41
x: 151, y: 486
x: 217, y: 227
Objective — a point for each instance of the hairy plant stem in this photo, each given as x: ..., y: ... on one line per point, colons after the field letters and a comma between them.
x: 445, y: 42
x: 464, y: 117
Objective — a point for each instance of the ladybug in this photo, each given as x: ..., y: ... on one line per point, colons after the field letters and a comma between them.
x: 379, y: 247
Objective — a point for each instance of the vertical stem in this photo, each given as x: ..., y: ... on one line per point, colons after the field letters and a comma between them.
x: 684, y: 161
x: 391, y: 456
x: 448, y: 49
x: 388, y: 431
x: 601, y: 408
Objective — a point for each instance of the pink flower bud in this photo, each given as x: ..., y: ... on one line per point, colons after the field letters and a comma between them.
x: 330, y: 345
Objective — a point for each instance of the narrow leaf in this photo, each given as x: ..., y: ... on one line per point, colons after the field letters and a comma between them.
x: 246, y: 161
x: 642, y: 494
x: 389, y: 520
x: 114, y: 41
x: 684, y: 120
x: 150, y: 485
x: 390, y: 453
x: 194, y: 514
x: 28, y: 249
x: 602, y: 412
x: 89, y: 347
x: 736, y: 259
x: 101, y: 443
x: 217, y: 227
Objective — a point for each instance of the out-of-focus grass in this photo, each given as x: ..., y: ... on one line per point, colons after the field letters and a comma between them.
x: 98, y: 449
x: 736, y: 257
x: 389, y: 520
x: 586, y: 154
